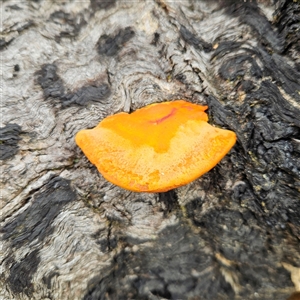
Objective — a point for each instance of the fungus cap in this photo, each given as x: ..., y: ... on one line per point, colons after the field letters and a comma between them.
x: 156, y: 148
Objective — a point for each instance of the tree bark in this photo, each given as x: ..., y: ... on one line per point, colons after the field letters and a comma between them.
x: 67, y: 233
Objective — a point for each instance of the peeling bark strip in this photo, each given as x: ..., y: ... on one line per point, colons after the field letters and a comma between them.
x: 233, y: 234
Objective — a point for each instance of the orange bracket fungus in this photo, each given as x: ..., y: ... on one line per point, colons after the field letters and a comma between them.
x: 156, y: 148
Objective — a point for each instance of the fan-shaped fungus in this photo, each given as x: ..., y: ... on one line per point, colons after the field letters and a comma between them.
x: 156, y: 148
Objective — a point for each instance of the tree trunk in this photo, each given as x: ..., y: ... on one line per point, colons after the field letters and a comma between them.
x: 67, y: 233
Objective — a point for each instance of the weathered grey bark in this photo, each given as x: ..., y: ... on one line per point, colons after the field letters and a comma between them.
x: 67, y: 233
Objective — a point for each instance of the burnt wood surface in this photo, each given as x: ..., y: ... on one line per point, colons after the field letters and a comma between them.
x: 66, y: 233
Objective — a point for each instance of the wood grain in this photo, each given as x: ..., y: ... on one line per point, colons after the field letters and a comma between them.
x: 66, y: 233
